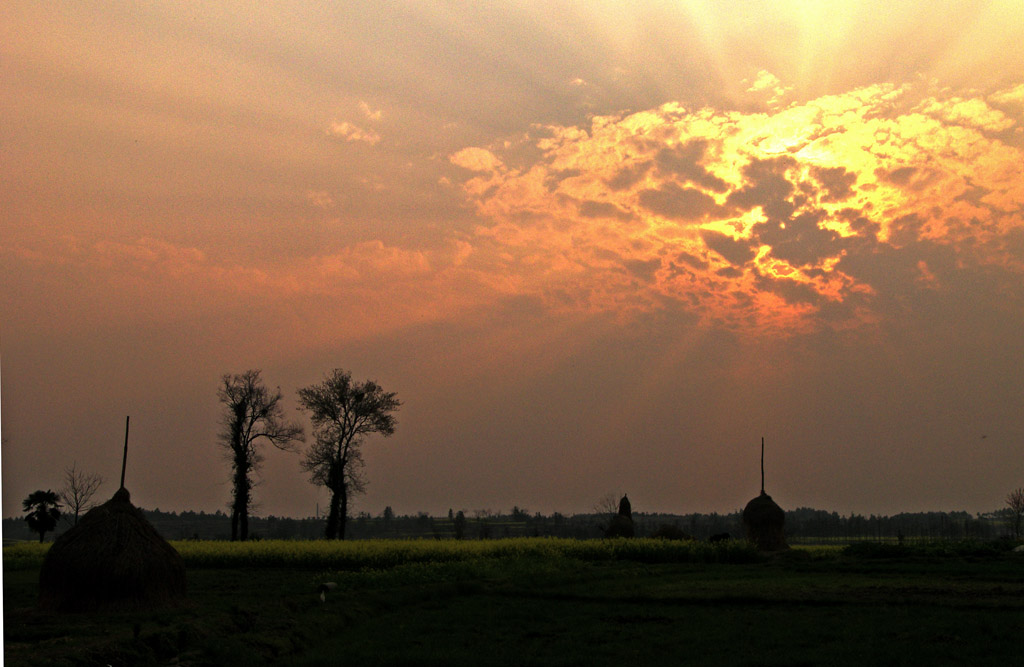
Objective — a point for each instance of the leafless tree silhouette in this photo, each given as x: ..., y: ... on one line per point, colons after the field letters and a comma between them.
x: 78, y: 490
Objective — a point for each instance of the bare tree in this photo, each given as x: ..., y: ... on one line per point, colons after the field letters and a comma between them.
x: 615, y: 515
x: 607, y: 506
x: 78, y: 490
x: 251, y: 412
x: 343, y: 412
x: 1015, y: 501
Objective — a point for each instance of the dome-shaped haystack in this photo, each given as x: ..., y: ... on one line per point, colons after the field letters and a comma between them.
x: 625, y: 509
x: 113, y: 558
x: 621, y: 525
x: 764, y: 522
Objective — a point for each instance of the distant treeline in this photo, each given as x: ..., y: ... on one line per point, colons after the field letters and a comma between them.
x: 818, y: 525
x: 802, y: 525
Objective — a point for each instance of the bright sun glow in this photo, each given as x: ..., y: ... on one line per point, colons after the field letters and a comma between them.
x: 625, y: 237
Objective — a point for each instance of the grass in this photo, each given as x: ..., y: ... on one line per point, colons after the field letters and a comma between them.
x: 382, y: 554
x: 544, y: 602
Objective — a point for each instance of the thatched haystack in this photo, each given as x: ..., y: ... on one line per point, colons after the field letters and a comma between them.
x: 625, y: 508
x: 113, y: 558
x: 621, y: 524
x: 764, y: 522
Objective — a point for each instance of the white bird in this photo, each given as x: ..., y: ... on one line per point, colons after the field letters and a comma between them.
x: 324, y: 587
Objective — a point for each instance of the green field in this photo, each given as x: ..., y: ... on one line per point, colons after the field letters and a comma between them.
x: 547, y: 602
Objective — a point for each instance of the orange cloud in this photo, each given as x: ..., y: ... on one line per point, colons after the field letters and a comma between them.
x: 350, y: 132
x: 363, y: 290
x: 750, y: 220
x: 319, y: 198
x: 477, y: 159
x: 1009, y: 96
x: 371, y: 114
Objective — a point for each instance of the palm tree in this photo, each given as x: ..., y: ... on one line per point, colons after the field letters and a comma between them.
x: 42, y: 511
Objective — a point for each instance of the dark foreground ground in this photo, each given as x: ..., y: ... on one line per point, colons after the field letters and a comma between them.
x: 801, y: 609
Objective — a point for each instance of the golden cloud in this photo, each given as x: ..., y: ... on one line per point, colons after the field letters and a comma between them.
x: 477, y: 159
x: 350, y: 132
x: 746, y: 219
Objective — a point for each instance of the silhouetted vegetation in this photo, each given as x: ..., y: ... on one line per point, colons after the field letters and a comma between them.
x: 343, y: 412
x: 42, y: 510
x: 251, y: 413
x: 621, y: 523
x: 803, y: 526
x: 968, y: 548
x: 459, y: 524
x: 1015, y: 502
x: 667, y: 531
x: 78, y: 490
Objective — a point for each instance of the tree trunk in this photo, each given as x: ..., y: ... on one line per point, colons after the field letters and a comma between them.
x: 41, y: 533
x: 332, y: 516
x: 343, y: 517
x: 338, y: 514
x: 241, y: 469
x: 240, y: 506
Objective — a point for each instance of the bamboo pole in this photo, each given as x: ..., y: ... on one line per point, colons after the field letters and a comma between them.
x: 124, y: 458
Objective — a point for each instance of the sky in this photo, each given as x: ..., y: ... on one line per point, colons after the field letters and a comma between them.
x: 593, y: 247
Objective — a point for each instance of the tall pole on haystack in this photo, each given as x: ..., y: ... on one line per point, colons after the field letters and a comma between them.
x: 124, y: 458
x: 762, y: 464
x: 764, y: 520
x: 113, y: 559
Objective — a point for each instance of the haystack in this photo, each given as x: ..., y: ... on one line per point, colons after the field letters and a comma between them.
x: 764, y: 522
x: 113, y: 558
x: 621, y: 525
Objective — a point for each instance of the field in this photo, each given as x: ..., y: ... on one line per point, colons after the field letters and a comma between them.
x: 547, y: 602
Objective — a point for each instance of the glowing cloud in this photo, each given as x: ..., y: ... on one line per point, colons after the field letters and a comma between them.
x: 371, y: 114
x: 753, y: 220
x: 768, y: 82
x: 350, y: 132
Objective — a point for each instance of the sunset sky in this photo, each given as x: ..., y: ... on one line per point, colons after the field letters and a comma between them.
x: 593, y: 247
